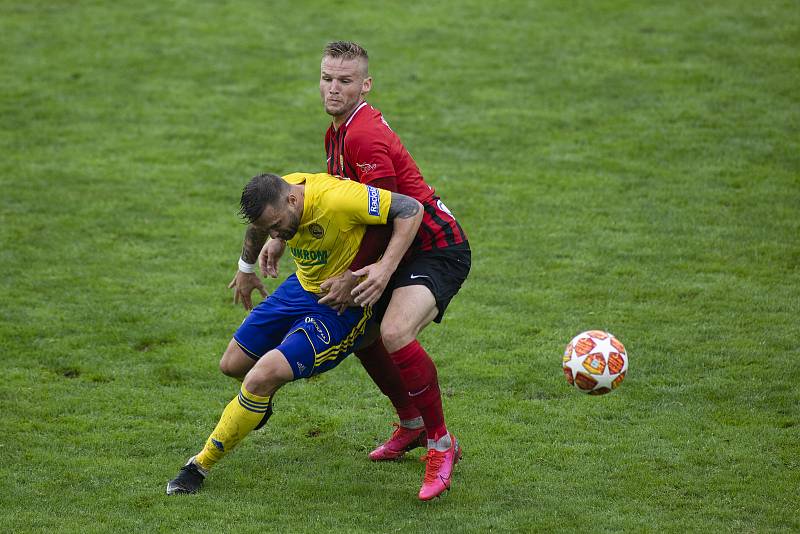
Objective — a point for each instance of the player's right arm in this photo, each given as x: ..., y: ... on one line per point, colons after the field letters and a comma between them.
x: 270, y: 254
x: 246, y: 280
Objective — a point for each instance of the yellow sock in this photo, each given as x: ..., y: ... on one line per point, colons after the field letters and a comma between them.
x: 239, y: 418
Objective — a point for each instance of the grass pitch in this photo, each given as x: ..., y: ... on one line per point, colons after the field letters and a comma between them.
x: 619, y: 165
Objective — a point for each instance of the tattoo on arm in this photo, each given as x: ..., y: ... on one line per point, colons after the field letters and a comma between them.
x: 254, y: 239
x: 403, y: 207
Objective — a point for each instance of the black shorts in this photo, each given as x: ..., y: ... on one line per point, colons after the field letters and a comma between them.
x: 441, y: 270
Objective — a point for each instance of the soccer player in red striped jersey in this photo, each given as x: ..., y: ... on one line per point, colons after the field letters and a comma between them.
x: 361, y: 146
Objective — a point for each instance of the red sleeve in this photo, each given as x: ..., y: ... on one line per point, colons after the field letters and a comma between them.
x: 377, y: 236
x: 367, y: 153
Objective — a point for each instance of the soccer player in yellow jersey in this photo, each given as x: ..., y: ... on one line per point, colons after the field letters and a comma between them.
x: 290, y: 335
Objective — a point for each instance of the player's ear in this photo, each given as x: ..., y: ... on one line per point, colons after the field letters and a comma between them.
x: 366, y: 85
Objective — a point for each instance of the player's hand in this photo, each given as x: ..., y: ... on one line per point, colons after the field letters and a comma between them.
x: 243, y: 285
x: 370, y: 290
x: 268, y: 258
x: 338, y: 291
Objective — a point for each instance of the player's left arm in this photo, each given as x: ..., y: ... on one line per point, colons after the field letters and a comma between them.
x: 244, y: 282
x: 406, y: 216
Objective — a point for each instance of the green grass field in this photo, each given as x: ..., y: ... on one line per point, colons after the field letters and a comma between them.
x: 631, y: 166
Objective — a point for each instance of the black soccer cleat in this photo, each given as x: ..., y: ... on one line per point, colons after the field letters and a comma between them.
x: 189, y: 479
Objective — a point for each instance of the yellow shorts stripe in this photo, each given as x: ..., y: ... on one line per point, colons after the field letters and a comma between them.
x: 346, y: 344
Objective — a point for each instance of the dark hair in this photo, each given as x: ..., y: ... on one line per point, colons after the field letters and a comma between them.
x: 261, y: 191
x: 345, y: 50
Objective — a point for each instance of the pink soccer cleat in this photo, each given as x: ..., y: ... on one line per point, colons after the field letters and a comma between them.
x: 438, y: 469
x: 402, y: 440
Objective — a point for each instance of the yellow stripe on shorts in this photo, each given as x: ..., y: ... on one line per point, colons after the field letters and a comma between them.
x: 332, y: 352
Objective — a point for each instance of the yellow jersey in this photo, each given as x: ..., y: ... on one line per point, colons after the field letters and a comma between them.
x: 335, y: 214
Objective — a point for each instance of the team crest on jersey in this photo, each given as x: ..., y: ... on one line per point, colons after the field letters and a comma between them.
x: 320, y: 329
x: 316, y: 230
x: 366, y: 167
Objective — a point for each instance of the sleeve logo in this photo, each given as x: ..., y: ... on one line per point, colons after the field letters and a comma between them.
x: 374, y: 201
x: 366, y: 168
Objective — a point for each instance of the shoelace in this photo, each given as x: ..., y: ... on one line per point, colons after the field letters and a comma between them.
x: 191, y: 471
x: 434, y: 460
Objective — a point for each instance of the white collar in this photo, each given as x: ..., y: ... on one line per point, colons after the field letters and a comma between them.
x: 361, y: 105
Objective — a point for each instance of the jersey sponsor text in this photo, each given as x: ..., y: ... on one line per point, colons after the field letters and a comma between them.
x: 309, y: 257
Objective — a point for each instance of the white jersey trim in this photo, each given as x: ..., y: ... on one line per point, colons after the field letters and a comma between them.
x: 354, y: 113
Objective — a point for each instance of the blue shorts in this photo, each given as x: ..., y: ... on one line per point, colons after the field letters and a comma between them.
x: 312, y: 336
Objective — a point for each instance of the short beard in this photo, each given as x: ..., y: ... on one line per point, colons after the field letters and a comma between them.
x: 294, y: 224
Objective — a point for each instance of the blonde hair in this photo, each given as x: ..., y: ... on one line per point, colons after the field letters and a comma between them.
x: 347, y: 50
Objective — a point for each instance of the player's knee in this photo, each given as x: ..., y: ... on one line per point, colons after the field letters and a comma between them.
x: 233, y: 363
x: 396, y: 336
x: 227, y: 369
x: 266, y: 377
x: 259, y: 382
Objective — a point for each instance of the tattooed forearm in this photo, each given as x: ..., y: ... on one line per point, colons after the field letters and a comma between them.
x: 403, y: 207
x: 254, y: 239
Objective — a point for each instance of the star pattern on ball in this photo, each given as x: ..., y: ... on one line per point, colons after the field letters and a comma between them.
x: 597, y: 377
x: 575, y: 364
x: 604, y: 346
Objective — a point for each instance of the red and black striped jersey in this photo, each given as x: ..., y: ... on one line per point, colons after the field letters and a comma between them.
x: 365, y: 148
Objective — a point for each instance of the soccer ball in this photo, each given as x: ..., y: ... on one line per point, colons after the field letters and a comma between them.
x: 595, y: 362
